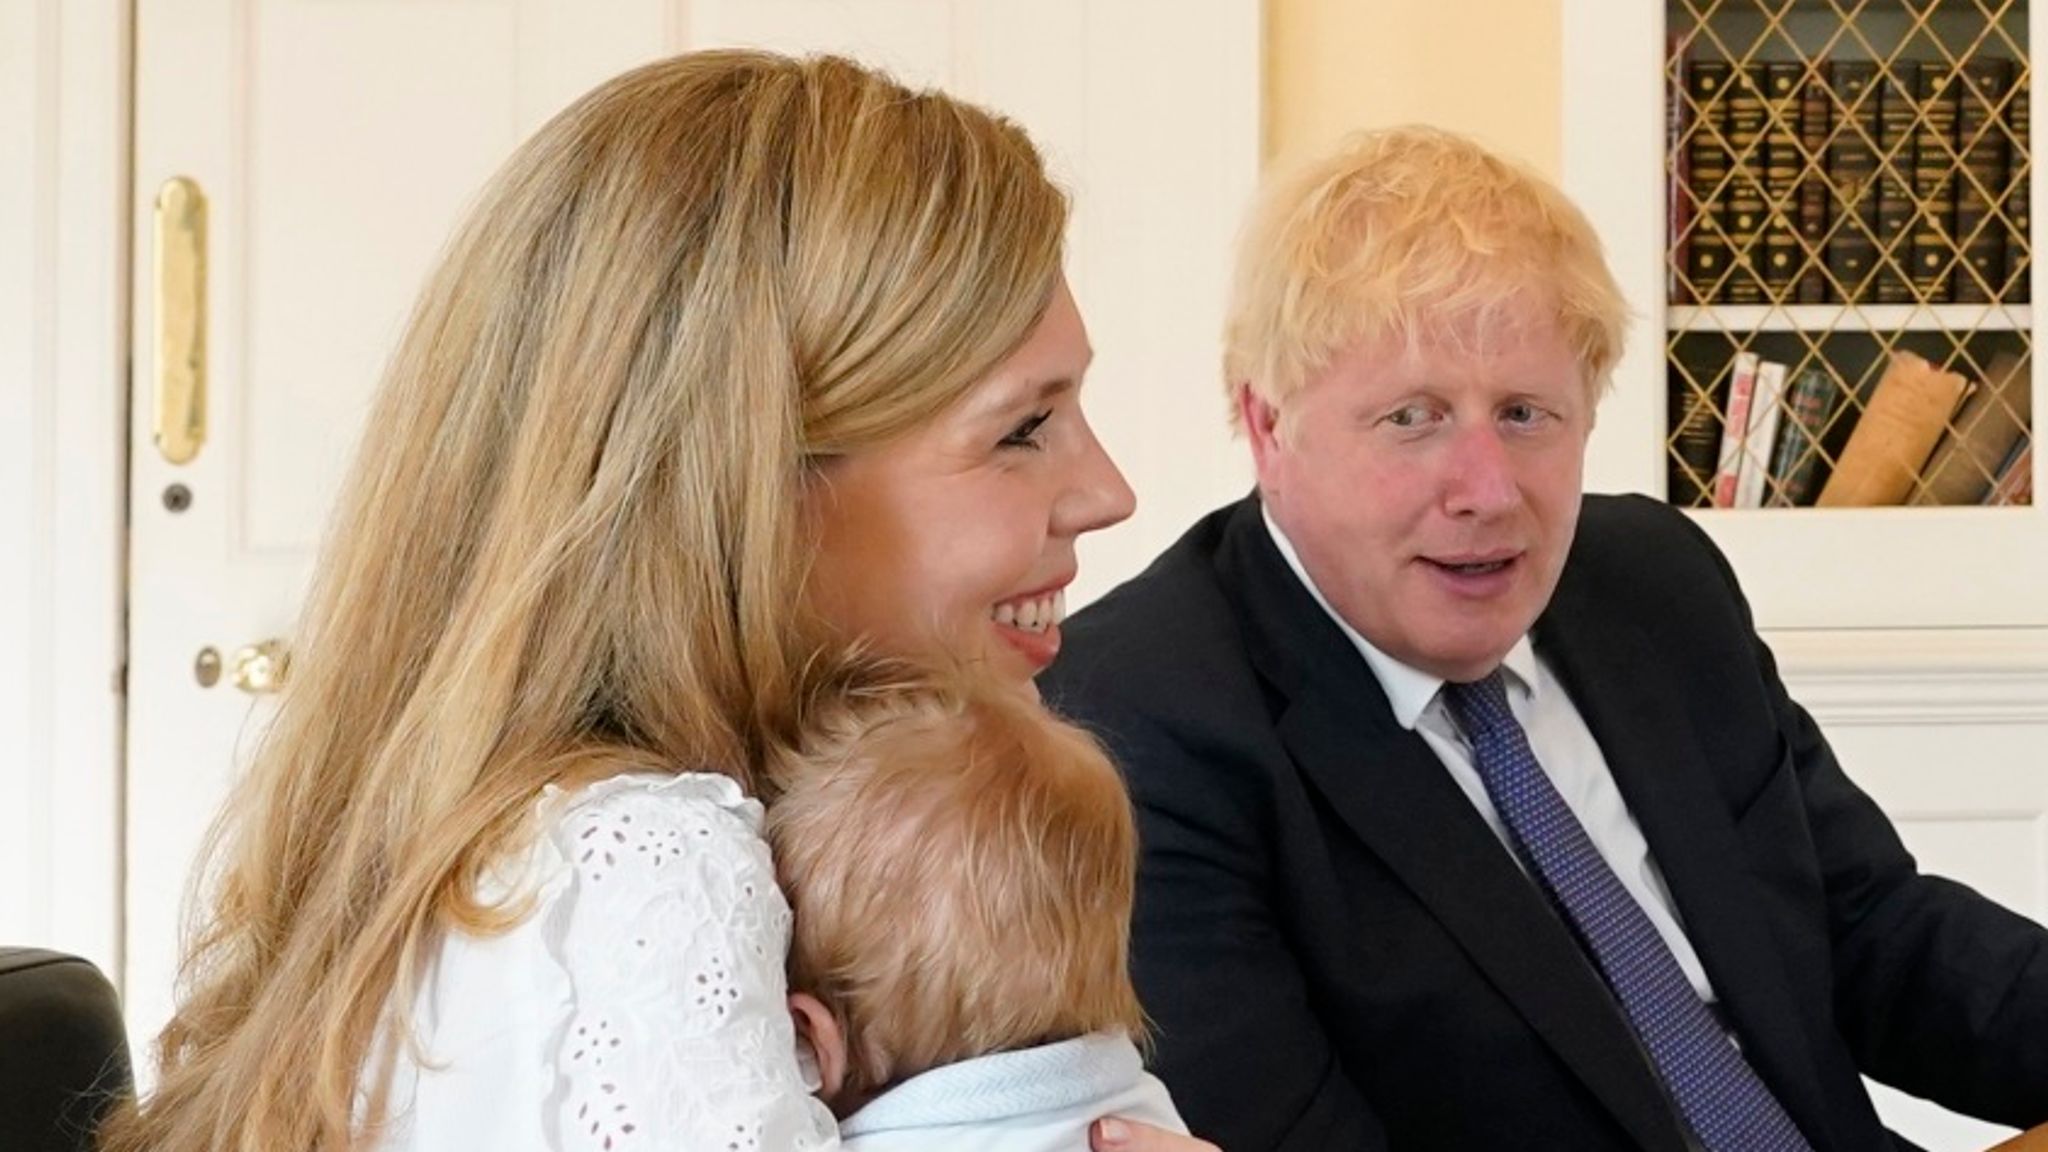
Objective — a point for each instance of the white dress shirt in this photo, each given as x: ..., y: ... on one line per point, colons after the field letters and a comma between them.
x: 1564, y: 746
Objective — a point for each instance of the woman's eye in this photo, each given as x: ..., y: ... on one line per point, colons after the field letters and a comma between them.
x: 1025, y: 435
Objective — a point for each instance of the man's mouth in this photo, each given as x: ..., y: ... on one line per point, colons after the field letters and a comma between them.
x: 1475, y: 565
x: 1473, y: 568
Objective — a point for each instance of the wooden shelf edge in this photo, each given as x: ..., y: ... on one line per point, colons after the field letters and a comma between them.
x: 1819, y: 318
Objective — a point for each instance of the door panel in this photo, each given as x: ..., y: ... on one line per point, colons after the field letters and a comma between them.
x: 336, y: 144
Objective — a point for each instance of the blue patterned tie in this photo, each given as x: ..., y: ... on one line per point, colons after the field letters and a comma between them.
x: 1728, y: 1106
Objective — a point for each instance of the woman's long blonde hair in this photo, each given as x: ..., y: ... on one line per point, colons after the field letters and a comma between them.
x: 572, y: 542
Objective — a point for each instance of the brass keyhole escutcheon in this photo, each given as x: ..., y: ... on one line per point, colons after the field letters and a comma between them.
x: 206, y: 666
x: 260, y: 668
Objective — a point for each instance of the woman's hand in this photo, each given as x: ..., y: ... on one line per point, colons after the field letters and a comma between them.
x: 1112, y: 1135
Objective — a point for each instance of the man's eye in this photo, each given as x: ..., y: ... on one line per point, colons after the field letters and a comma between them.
x: 1522, y: 414
x: 1025, y: 435
x: 1413, y: 416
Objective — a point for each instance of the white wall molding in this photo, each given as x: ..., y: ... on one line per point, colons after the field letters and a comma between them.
x: 1901, y: 677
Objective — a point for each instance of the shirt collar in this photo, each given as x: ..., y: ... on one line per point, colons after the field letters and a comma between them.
x: 1410, y: 691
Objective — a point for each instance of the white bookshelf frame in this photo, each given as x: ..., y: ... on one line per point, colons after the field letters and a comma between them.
x: 1804, y: 569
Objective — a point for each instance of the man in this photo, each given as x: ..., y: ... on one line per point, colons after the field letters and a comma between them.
x: 1474, y: 814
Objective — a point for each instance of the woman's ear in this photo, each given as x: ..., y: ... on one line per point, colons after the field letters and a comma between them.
x: 816, y: 1026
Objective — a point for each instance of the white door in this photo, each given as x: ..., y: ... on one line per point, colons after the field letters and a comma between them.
x: 336, y: 143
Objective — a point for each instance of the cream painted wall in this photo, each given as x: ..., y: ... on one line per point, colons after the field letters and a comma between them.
x: 1489, y: 68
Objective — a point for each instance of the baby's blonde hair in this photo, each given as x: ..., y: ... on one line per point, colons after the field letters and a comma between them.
x: 1417, y: 234
x: 961, y: 865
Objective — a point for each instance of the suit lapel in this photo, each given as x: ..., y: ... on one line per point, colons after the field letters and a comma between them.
x: 1396, y: 797
x: 1647, y: 738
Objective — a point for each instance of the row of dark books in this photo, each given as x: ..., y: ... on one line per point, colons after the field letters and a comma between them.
x: 1848, y: 181
x: 1919, y: 435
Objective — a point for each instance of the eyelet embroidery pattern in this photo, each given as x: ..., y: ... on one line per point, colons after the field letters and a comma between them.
x: 606, y: 1121
x: 590, y: 1043
x: 605, y: 836
x: 713, y: 989
x: 674, y: 943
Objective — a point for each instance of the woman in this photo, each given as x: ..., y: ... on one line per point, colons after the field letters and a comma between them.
x: 741, y: 365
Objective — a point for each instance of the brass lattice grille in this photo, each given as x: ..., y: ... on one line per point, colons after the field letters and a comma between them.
x: 1848, y: 235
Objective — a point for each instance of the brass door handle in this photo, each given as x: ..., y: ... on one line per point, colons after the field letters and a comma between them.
x: 180, y: 429
x: 260, y: 668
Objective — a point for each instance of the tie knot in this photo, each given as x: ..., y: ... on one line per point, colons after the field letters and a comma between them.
x: 1480, y: 706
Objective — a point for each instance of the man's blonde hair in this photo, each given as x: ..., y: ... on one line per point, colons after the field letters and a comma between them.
x: 961, y: 867
x: 1417, y: 234
x: 572, y: 542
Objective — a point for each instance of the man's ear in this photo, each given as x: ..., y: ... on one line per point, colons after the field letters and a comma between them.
x: 1261, y: 421
x: 816, y: 1026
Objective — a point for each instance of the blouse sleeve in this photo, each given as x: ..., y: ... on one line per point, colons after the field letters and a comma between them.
x: 671, y: 937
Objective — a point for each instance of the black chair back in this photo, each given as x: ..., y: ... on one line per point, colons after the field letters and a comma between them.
x: 63, y: 1051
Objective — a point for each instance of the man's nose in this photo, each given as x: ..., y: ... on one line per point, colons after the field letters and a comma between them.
x: 1481, y: 479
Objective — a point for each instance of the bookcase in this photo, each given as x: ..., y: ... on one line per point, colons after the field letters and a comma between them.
x: 1821, y: 212
x: 1825, y: 165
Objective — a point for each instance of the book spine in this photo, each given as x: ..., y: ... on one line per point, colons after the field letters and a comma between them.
x: 1798, y: 466
x: 1895, y: 205
x: 1783, y: 162
x: 1706, y: 157
x: 1766, y: 406
x: 1854, y: 99
x: 1745, y: 205
x: 1679, y: 210
x: 2015, y: 483
x: 1982, y: 434
x: 2018, y: 199
x: 1694, y: 439
x: 1905, y: 418
x: 1934, y: 184
x: 1735, y: 432
x: 1815, y: 122
x: 1981, y: 232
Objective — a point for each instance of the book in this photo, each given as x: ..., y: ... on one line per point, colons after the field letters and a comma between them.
x: 1735, y: 428
x: 1989, y: 424
x: 1897, y: 110
x: 2015, y: 484
x: 1905, y: 418
x: 1934, y: 184
x: 1679, y: 210
x: 1744, y: 205
x: 1980, y: 183
x: 1706, y: 170
x: 1778, y: 264
x: 1854, y: 104
x: 1694, y: 389
x: 1849, y: 408
x: 1765, y: 407
x: 1798, y: 465
x: 1816, y: 121
x: 2019, y: 238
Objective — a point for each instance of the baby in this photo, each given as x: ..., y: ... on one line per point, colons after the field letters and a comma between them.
x: 961, y: 866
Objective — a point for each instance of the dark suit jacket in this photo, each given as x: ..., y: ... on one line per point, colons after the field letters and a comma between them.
x: 1339, y: 954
